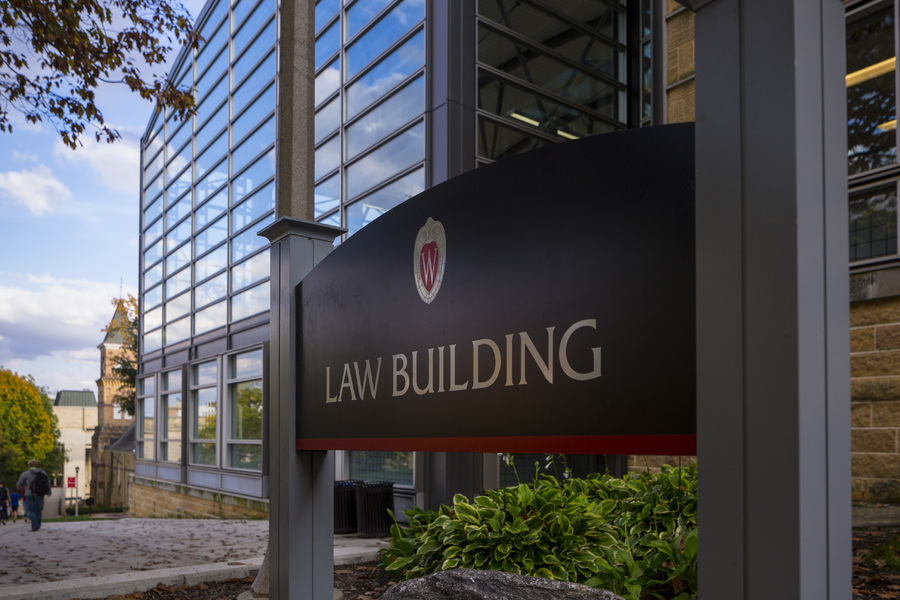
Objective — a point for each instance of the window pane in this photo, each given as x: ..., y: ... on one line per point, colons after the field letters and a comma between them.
x: 181, y: 233
x: 204, y: 374
x: 255, y: 52
x: 146, y: 386
x: 209, y: 79
x: 177, y: 307
x: 178, y: 259
x: 214, y: 180
x: 211, y: 237
x: 178, y: 331
x: 245, y: 456
x: 246, y: 410
x: 328, y: 195
x: 205, y: 409
x: 153, y: 276
x: 261, y: 139
x: 496, y: 141
x: 328, y: 157
x: 394, y: 68
x: 871, y: 95
x: 203, y: 454
x: 250, y: 271
x: 211, y: 264
x: 213, y: 127
x: 246, y: 364
x: 210, y: 318
x: 179, y: 210
x: 262, y: 107
x: 153, y: 232
x: 361, y: 13
x: 154, y: 253
x: 207, y: 161
x: 180, y: 161
x: 211, y: 48
x: 390, y: 28
x: 403, y: 151
x: 328, y: 119
x: 213, y: 100
x: 153, y: 297
x: 250, y: 241
x: 177, y: 139
x: 152, y: 341
x: 178, y: 283
x: 373, y: 465
x: 213, y: 207
x: 369, y: 208
x: 253, y: 207
x: 260, y: 15
x: 178, y: 188
x: 212, y: 290
x: 249, y: 303
x: 399, y: 109
x: 328, y: 43
x: 873, y: 223
x: 152, y: 319
x: 153, y: 168
x: 325, y: 9
x: 327, y: 82
x: 251, y: 179
x: 257, y: 81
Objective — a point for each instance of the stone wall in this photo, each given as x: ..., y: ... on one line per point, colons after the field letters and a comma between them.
x: 153, y: 498
x: 875, y: 399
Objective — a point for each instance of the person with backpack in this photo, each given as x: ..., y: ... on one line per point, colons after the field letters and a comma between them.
x: 37, y: 485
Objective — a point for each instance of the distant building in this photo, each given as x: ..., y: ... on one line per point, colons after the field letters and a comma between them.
x: 109, y: 475
x: 77, y: 414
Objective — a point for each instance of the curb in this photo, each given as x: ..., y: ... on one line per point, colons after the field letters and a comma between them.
x: 128, y: 583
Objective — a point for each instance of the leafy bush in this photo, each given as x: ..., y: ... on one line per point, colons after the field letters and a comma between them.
x: 635, y: 536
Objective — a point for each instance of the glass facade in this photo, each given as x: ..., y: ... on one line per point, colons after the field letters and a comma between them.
x: 872, y: 131
x: 536, y: 73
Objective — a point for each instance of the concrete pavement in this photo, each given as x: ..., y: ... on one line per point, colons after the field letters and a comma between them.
x: 105, y: 557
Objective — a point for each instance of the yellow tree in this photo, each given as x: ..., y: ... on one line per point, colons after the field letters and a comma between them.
x: 27, y: 428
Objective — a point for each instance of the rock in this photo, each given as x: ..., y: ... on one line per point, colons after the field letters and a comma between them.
x: 471, y: 584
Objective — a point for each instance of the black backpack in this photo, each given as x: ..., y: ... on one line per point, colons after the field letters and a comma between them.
x: 40, y: 485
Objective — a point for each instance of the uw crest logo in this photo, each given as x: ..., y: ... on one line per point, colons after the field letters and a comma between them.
x: 430, y: 258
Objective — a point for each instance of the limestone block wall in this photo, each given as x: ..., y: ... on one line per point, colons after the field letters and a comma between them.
x: 679, y: 63
x: 875, y: 399
x: 153, y: 498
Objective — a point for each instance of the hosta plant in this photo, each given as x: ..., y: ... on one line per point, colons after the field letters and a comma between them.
x: 635, y: 536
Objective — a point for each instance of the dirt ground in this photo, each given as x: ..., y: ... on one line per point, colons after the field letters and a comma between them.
x: 873, y: 576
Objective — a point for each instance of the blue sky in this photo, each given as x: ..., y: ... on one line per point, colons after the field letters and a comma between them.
x: 68, y: 240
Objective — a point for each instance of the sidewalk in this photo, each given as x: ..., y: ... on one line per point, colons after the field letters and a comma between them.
x: 105, y: 557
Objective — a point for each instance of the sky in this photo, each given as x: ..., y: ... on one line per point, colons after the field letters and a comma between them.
x: 68, y: 240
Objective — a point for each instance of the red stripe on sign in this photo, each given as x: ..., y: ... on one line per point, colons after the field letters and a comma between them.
x: 683, y: 445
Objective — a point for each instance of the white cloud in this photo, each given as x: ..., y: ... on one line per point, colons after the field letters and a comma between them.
x: 116, y: 165
x: 25, y: 156
x: 37, y: 189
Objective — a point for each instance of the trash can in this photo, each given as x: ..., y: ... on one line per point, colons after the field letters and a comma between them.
x: 373, y: 500
x: 344, y: 506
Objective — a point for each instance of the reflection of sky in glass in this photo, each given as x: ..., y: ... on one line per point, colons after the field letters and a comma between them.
x: 262, y: 44
x: 213, y: 154
x: 250, y: 241
x: 391, y: 158
x: 249, y: 303
x: 262, y: 75
x: 260, y: 108
x: 402, y: 107
x: 213, y: 262
x: 328, y: 195
x: 369, y: 208
x: 152, y: 319
x: 324, y: 11
x: 178, y: 331
x: 212, y: 127
x: 177, y: 283
x: 250, y: 271
x: 246, y: 364
x: 252, y: 146
x: 210, y: 318
x: 252, y: 178
x: 327, y: 82
x: 328, y: 156
x: 390, y: 28
x: 153, y: 276
x: 178, y: 307
x: 393, y: 69
x: 213, y: 207
x: 328, y: 119
x: 361, y: 13
x: 178, y: 259
x: 205, y: 374
x: 210, y: 291
x: 153, y: 341
x: 328, y: 43
x: 153, y: 297
x: 262, y: 12
x: 210, y: 237
x: 254, y: 207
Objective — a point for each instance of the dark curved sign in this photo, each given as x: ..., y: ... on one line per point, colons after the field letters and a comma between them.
x: 544, y: 303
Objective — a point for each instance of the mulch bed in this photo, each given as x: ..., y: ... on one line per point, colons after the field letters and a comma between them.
x: 872, y: 576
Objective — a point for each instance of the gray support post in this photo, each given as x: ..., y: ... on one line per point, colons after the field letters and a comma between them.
x: 301, y: 484
x: 772, y: 300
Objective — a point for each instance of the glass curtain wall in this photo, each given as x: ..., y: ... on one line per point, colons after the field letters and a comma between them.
x: 370, y: 108
x: 549, y: 72
x: 872, y: 131
x: 208, y: 184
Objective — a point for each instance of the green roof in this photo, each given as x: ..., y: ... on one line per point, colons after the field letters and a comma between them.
x: 70, y: 398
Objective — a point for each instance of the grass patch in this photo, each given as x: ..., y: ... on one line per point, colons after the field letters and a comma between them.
x: 885, y: 555
x: 66, y: 519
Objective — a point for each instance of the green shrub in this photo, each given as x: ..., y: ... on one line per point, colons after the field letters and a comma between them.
x: 635, y: 536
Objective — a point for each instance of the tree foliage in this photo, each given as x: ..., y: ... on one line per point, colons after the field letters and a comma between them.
x: 55, y: 53
x: 125, y: 323
x: 28, y: 426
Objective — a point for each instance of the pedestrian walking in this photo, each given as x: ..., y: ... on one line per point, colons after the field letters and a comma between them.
x: 14, y: 499
x: 37, y: 485
x: 4, y: 504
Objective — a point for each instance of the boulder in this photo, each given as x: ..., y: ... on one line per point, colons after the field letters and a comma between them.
x: 471, y: 584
